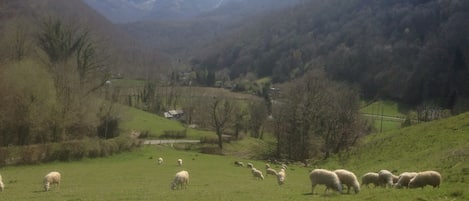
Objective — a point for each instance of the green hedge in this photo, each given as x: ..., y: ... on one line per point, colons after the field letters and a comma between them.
x: 65, y: 151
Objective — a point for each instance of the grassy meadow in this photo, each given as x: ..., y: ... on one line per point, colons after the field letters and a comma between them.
x: 385, y: 115
x: 136, y: 176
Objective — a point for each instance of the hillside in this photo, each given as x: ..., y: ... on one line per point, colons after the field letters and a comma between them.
x: 411, y: 51
x: 183, y: 36
x: 124, y: 54
x: 441, y: 145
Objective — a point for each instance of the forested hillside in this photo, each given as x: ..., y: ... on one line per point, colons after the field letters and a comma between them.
x: 56, y: 61
x: 412, y: 51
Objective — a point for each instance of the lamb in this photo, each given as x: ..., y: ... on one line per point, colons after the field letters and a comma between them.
x: 50, y: 179
x: 239, y: 163
x: 267, y: 165
x: 404, y: 179
x: 385, y: 178
x: 326, y: 177
x: 250, y: 165
x: 281, y: 176
x: 370, y: 178
x: 270, y: 171
x: 424, y: 178
x: 180, y: 162
x: 181, y: 180
x: 257, y: 174
x: 349, y: 179
x: 160, y: 161
x: 2, y: 186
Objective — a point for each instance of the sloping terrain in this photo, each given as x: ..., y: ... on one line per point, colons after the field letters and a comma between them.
x: 441, y: 145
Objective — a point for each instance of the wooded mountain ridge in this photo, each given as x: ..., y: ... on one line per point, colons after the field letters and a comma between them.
x: 412, y: 51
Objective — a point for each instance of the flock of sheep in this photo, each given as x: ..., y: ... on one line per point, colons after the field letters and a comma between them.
x: 281, y: 174
x: 52, y: 178
x: 337, y: 178
x: 331, y: 179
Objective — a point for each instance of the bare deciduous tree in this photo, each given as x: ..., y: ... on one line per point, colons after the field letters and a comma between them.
x: 221, y: 117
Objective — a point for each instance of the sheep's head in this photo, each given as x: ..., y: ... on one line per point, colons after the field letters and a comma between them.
x: 173, y: 186
x: 46, y: 186
x: 339, y: 187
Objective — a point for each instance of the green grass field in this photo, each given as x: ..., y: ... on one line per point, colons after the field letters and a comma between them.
x: 139, y: 120
x: 392, y: 117
x: 136, y: 176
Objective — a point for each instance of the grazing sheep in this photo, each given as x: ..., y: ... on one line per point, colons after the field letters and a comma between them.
x: 50, y: 179
x: 349, y: 179
x: 395, y: 178
x: 181, y: 180
x: 385, y: 178
x: 404, y: 179
x: 239, y: 163
x: 250, y: 165
x: 270, y: 171
x: 180, y: 162
x: 267, y: 166
x: 257, y: 174
x: 284, y: 166
x: 2, y: 186
x: 160, y: 161
x: 422, y: 179
x: 325, y: 177
x: 281, y: 176
x: 370, y: 178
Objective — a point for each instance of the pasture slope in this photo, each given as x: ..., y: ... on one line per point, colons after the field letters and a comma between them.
x: 440, y: 145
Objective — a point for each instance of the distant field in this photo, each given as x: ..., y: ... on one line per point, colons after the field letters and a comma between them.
x: 135, y: 119
x: 136, y: 176
x: 384, y: 114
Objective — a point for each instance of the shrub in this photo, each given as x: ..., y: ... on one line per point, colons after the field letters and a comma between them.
x: 208, y: 140
x: 174, y: 134
x: 65, y: 151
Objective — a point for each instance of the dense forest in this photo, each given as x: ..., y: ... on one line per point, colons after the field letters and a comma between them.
x: 413, y: 51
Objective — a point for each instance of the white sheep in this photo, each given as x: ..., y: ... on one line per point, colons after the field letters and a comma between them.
x: 284, y: 166
x: 180, y: 162
x: 370, y: 178
x: 50, y: 179
x: 281, y: 176
x: 160, y: 161
x: 239, y: 163
x: 257, y: 174
x: 267, y: 166
x: 180, y: 181
x: 250, y: 165
x: 325, y: 177
x: 2, y: 186
x: 270, y: 171
x: 349, y: 179
x: 404, y: 179
x: 386, y: 178
x: 424, y: 178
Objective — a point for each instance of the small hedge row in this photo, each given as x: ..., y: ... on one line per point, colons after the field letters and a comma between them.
x: 170, y: 134
x: 65, y: 151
